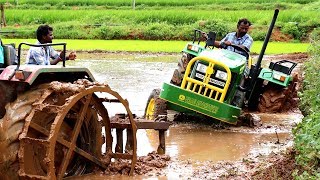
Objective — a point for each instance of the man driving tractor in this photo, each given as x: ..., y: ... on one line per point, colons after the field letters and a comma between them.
x: 43, y: 55
x: 240, y: 37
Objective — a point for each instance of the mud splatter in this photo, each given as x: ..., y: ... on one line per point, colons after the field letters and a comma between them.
x: 151, y: 163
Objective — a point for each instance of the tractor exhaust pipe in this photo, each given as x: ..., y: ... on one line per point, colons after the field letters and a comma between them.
x: 256, y: 69
x: 267, y: 38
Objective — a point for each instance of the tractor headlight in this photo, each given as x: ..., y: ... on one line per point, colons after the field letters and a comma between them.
x: 279, y: 77
x: 193, y: 48
x: 221, y: 75
x: 202, y: 68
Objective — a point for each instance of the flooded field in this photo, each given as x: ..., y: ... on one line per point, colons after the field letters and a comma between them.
x: 190, y: 146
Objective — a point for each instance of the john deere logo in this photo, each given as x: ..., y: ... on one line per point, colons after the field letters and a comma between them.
x: 182, y: 97
x: 196, y: 103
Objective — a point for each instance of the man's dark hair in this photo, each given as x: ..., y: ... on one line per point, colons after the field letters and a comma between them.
x: 244, y: 21
x: 43, y: 30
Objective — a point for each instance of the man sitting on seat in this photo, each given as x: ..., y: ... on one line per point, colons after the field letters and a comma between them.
x: 240, y: 37
x: 43, y: 55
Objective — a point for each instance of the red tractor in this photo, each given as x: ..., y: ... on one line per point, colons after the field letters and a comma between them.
x: 53, y: 123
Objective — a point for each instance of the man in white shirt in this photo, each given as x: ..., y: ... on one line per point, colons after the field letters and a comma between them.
x: 46, y: 55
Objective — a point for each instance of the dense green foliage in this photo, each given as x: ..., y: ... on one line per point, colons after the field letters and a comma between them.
x: 307, y: 134
x: 157, y: 19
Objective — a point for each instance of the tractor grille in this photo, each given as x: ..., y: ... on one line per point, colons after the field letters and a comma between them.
x: 208, y: 78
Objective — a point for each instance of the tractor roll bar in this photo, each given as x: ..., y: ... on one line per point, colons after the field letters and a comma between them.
x: 38, y: 45
x: 197, y: 35
x: 210, y: 37
x: 42, y: 45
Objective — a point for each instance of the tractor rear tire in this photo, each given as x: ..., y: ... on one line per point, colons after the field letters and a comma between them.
x: 272, y: 100
x: 11, y: 126
x: 156, y: 108
x: 275, y: 97
x: 178, y: 73
x: 26, y: 108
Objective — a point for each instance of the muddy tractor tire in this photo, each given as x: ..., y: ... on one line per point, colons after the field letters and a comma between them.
x: 156, y: 108
x: 178, y: 73
x: 55, y: 131
x: 275, y: 98
x: 238, y: 99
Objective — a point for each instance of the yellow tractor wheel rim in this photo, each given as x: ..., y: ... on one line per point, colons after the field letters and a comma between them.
x: 150, y: 109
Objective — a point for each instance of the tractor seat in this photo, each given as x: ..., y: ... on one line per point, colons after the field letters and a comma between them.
x: 10, y: 57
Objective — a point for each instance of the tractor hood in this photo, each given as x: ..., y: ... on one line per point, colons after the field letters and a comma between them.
x: 30, y: 73
x: 234, y: 61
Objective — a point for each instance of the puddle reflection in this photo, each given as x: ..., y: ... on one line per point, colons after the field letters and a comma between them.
x: 196, y: 144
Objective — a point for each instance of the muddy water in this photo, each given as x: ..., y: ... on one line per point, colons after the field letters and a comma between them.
x: 133, y: 80
x: 196, y: 144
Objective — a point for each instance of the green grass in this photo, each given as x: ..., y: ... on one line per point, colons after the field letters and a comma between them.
x: 171, y: 16
x: 158, y: 24
x: 157, y: 19
x: 307, y: 139
x: 159, y: 46
x: 145, y: 2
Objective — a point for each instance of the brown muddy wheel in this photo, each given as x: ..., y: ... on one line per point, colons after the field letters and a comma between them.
x: 61, y: 132
x: 179, y: 72
x: 275, y: 97
x: 10, y: 128
x: 156, y: 107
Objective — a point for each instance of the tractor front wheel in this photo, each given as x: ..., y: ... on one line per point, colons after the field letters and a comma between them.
x: 178, y: 73
x: 155, y: 107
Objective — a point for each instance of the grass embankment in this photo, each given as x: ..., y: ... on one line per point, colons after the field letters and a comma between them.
x: 255, y: 4
x: 159, y: 19
x: 307, y: 139
x: 158, y: 46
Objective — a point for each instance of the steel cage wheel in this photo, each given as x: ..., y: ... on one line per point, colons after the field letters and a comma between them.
x: 65, y: 130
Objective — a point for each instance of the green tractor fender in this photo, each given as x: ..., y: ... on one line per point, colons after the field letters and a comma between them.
x: 278, y: 72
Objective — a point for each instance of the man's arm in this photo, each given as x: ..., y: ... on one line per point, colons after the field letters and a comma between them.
x: 55, y: 61
x: 59, y: 57
x: 54, y: 55
x: 217, y: 44
x: 223, y: 43
x: 72, y: 56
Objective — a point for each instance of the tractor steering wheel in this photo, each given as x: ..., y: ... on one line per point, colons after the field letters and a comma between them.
x: 243, y: 51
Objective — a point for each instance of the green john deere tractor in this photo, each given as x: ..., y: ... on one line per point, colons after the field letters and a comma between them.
x: 218, y: 83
